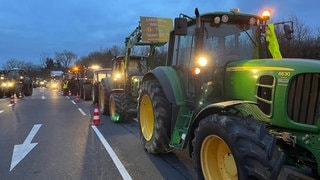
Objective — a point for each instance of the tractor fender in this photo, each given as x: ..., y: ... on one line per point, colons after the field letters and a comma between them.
x: 246, y: 108
x: 169, y: 81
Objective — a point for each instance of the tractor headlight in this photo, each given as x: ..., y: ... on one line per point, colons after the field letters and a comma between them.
x: 196, y: 71
x: 7, y: 84
x: 117, y: 76
x: 202, y: 61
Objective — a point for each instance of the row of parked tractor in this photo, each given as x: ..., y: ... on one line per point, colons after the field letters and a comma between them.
x: 225, y: 93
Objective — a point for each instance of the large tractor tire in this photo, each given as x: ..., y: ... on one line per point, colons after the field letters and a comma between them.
x: 28, y: 89
x: 117, y: 113
x: 104, y: 96
x: 87, y: 92
x: 1, y: 93
x: 81, y: 90
x: 229, y: 147
x: 18, y: 90
x: 95, y: 92
x: 154, y: 114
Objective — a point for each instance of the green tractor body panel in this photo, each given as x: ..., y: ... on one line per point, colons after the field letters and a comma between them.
x: 168, y: 78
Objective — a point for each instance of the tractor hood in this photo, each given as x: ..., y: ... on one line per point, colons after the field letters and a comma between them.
x: 285, y: 64
x: 286, y: 90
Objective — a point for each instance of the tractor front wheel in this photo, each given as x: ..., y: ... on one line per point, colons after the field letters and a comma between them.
x: 229, y: 147
x: 115, y: 109
x: 104, y: 96
x: 154, y: 115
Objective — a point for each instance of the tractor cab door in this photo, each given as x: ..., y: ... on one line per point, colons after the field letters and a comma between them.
x: 183, y: 47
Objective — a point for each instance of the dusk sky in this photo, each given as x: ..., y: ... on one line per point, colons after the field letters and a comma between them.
x: 30, y: 29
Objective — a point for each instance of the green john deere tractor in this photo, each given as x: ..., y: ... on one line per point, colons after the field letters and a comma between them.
x: 118, y: 93
x: 240, y: 113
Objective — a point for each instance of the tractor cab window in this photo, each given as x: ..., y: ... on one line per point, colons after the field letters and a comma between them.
x: 15, y: 74
x: 137, y: 66
x: 184, y: 49
x: 229, y: 42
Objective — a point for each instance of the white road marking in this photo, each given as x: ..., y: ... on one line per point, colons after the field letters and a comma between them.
x: 1, y: 111
x: 21, y: 150
x: 124, y: 173
x: 82, y: 112
x: 73, y: 102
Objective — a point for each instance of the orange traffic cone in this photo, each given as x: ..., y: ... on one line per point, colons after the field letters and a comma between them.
x: 12, y: 99
x: 96, y: 118
x: 69, y: 94
x: 77, y: 98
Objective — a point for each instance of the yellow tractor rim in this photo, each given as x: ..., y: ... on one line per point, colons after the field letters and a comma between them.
x: 217, y: 161
x: 101, y: 99
x: 146, y: 117
x: 112, y: 108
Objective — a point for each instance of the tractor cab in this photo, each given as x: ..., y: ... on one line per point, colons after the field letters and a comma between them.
x: 136, y: 66
x: 201, y: 47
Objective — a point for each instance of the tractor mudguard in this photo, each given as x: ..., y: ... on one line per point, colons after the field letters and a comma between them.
x: 236, y: 107
x: 169, y: 80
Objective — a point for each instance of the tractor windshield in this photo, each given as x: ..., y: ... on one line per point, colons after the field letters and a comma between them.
x: 221, y: 44
x: 229, y: 42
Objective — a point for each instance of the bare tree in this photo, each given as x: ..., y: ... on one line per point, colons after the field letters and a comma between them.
x: 65, y: 58
x: 12, y: 63
x: 116, y: 50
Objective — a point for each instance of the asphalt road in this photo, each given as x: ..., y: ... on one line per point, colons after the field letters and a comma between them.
x: 50, y: 136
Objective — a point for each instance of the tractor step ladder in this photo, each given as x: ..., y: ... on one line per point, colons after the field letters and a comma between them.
x: 181, y: 127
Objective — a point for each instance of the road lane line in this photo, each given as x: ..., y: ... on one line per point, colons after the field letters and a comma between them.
x: 1, y: 111
x: 124, y: 173
x: 82, y: 112
x: 73, y: 102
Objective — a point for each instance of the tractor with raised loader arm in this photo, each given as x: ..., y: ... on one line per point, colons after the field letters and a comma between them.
x: 227, y: 95
x: 118, y: 93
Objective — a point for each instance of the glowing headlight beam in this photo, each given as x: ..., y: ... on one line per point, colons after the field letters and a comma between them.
x: 202, y: 61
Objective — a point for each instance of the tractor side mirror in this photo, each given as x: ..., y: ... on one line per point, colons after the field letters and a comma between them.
x: 180, y: 26
x: 287, y: 31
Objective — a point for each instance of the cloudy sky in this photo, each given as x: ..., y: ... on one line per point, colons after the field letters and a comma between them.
x: 31, y: 29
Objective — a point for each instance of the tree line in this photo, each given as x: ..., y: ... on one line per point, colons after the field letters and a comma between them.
x: 304, y: 44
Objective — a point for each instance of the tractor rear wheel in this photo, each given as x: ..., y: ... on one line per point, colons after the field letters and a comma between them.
x: 28, y: 89
x: 104, y: 96
x: 87, y: 92
x: 115, y: 107
x: 153, y: 115
x: 229, y: 147
x: 94, y: 94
